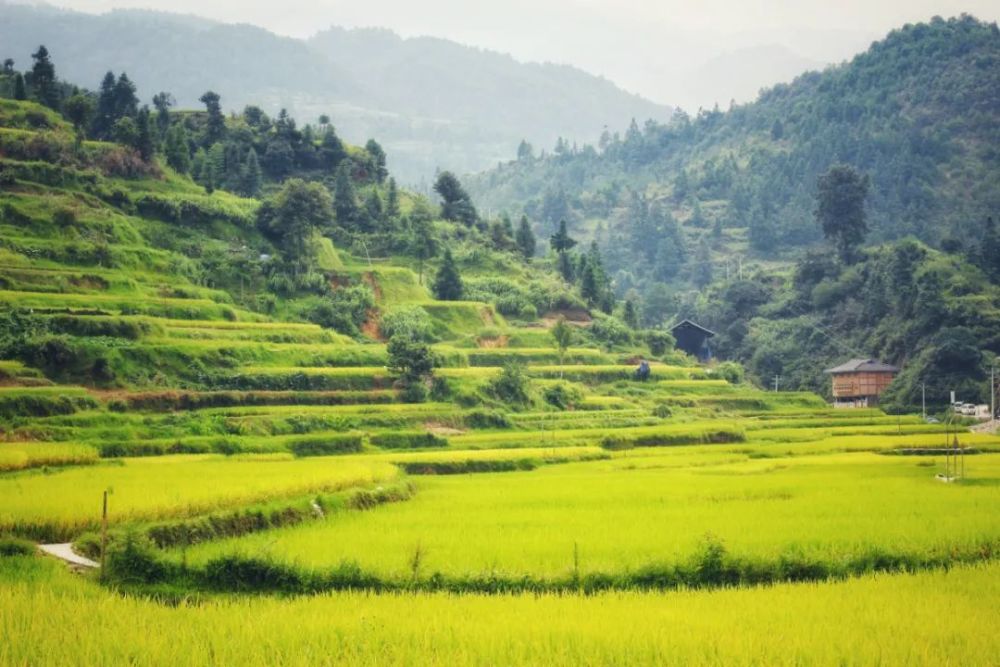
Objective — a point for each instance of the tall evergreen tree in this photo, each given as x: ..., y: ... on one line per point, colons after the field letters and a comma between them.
x: 104, y: 118
x: 525, y: 238
x: 162, y: 103
x: 448, y: 283
x: 126, y: 102
x: 565, y: 265
x: 251, y: 174
x: 78, y: 108
x: 561, y: 240
x: 374, y: 209
x: 455, y: 202
x: 177, y: 149
x: 840, y: 208
x: 215, y: 126
x: 392, y: 201
x: 331, y: 148
x: 20, y: 91
x: 345, y: 197
x: 144, y: 134
x: 43, y: 79
x: 378, y: 157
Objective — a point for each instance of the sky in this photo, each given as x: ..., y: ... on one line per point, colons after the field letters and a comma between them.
x: 672, y: 51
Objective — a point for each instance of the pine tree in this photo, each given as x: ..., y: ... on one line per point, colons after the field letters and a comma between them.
x: 448, y: 283
x: 20, y: 92
x: 561, y: 240
x: 392, y: 201
x: 378, y: 157
x: 989, y: 251
x: 345, y: 198
x: 374, y: 209
x: 590, y: 290
x: 525, y: 238
x: 198, y: 163
x: 126, y: 103
x: 144, y: 135
x: 162, y: 103
x: 840, y: 208
x: 455, y: 202
x: 43, y: 79
x: 630, y: 314
x: 177, y: 150
x: 565, y: 266
x: 251, y: 174
x: 104, y: 119
x: 215, y: 126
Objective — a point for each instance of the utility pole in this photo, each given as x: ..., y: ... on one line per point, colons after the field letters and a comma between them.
x: 104, y: 531
x: 776, y: 378
x: 739, y: 264
x: 923, y: 400
x: 993, y: 393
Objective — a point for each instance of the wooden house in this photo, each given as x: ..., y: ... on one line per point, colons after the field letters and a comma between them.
x: 693, y: 339
x: 859, y: 382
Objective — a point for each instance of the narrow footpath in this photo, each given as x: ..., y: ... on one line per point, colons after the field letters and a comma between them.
x: 65, y: 552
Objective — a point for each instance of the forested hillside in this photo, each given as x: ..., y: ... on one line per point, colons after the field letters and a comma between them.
x: 433, y: 103
x: 682, y: 211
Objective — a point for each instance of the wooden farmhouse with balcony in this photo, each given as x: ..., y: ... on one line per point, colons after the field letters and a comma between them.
x: 859, y: 382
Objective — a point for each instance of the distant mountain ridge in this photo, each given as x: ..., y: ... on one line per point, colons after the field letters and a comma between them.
x: 433, y: 103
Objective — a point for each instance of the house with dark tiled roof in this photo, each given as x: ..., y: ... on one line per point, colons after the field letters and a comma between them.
x: 859, y: 382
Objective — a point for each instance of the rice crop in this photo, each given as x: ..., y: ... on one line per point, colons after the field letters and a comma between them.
x: 49, y: 617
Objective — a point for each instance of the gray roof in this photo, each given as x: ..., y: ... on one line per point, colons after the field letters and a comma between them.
x: 708, y: 332
x: 863, y: 365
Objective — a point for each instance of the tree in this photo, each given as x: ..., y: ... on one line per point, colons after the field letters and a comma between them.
x: 8, y: 66
x: 525, y: 153
x: 331, y: 149
x: 378, y: 156
x: 345, y: 197
x: 413, y: 362
x: 525, y: 238
x: 126, y: 132
x: 630, y: 314
x: 251, y: 174
x: 374, y: 209
x: 840, y: 209
x: 590, y: 289
x: 43, y: 79
x: 392, y: 201
x: 144, y: 135
x: 78, y: 109
x: 104, y: 118
x: 125, y: 101
x: 561, y: 240
x: 565, y: 266
x: 20, y: 92
x: 562, y: 335
x: 162, y: 103
x: 423, y: 244
x: 215, y: 126
x: 295, y: 213
x: 177, y: 150
x: 448, y: 283
x: 456, y: 204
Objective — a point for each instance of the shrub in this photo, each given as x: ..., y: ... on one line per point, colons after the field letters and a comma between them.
x: 12, y: 546
x: 486, y: 419
x: 345, y: 310
x: 662, y: 411
x: 562, y: 395
x: 408, y: 440
x: 248, y: 574
x: 412, y: 322
x: 730, y: 371
x: 610, y: 330
x: 134, y: 561
x: 325, y: 445
x: 659, y: 341
x: 512, y: 385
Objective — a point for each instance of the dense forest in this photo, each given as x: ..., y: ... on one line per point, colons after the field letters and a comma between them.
x: 431, y: 102
x: 709, y: 216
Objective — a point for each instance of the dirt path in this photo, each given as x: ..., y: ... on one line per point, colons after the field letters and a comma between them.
x: 65, y: 552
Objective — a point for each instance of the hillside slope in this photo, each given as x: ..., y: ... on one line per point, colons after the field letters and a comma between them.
x: 431, y: 102
x: 919, y: 112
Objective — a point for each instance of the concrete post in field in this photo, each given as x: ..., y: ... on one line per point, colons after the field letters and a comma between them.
x: 104, y: 531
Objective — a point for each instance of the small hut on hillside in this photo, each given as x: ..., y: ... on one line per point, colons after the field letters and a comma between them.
x: 859, y: 382
x: 693, y: 339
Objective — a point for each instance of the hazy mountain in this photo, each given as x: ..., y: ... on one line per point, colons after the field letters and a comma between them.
x: 433, y: 103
